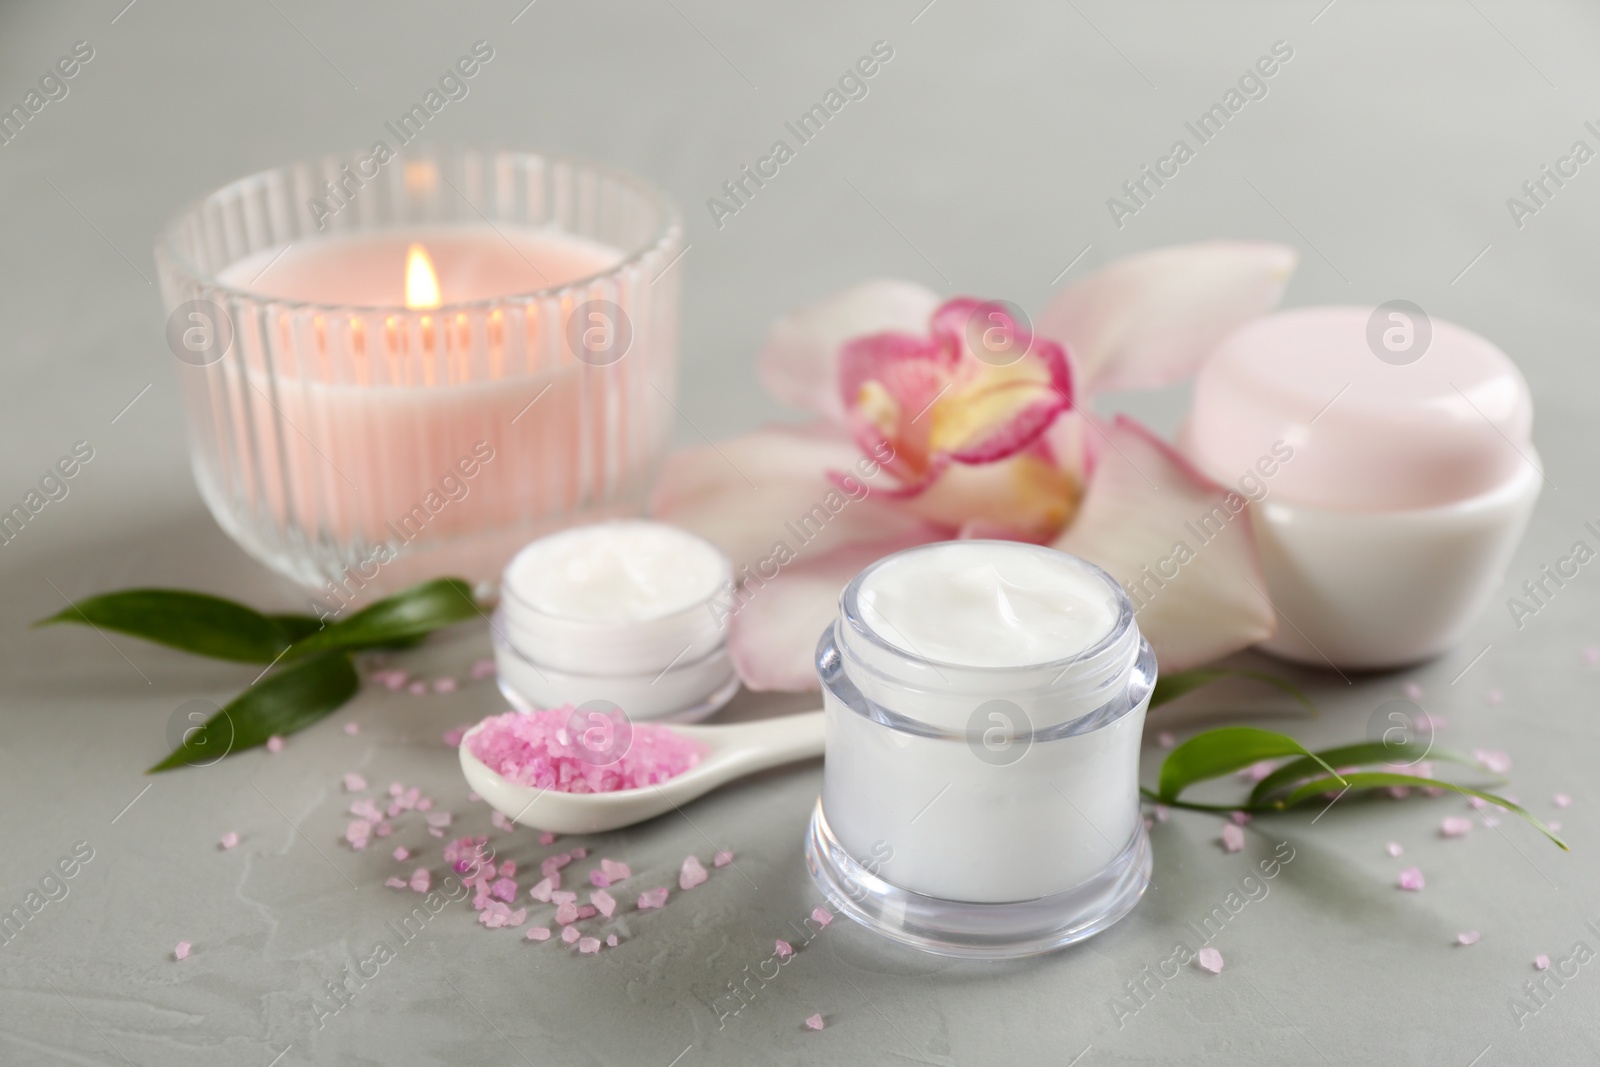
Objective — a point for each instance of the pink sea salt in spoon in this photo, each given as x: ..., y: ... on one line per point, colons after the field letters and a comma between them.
x: 532, y: 768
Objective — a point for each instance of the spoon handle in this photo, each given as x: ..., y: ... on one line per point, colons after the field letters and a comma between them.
x: 773, y: 742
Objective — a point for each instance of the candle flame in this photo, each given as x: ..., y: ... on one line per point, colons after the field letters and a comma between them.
x: 422, y: 282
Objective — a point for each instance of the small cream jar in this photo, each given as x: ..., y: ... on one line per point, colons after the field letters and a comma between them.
x: 984, y: 704
x: 623, y: 612
x: 1389, y: 465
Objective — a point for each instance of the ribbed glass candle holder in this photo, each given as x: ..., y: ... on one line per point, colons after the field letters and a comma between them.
x: 357, y: 445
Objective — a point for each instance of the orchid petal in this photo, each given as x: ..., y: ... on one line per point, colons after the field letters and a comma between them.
x: 752, y: 493
x: 773, y: 632
x: 1167, y: 533
x: 800, y: 360
x: 1151, y: 318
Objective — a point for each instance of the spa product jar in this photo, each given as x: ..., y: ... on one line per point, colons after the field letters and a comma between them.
x: 630, y: 613
x: 984, y: 703
x: 1388, y: 461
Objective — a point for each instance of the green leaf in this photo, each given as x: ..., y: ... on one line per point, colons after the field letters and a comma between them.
x: 1375, y: 780
x: 193, y: 622
x: 1172, y: 686
x: 1223, y: 751
x: 409, y: 614
x: 290, y: 700
x: 1372, y: 752
x: 297, y: 626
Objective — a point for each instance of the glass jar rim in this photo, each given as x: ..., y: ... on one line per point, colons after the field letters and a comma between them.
x: 668, y: 229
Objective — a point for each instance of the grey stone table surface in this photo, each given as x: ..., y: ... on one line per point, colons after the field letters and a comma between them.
x: 982, y: 159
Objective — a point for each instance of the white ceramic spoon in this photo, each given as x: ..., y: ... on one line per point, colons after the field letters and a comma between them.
x: 732, y: 752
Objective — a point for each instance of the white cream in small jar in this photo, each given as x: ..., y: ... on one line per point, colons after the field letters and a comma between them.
x: 622, y: 612
x: 985, y: 702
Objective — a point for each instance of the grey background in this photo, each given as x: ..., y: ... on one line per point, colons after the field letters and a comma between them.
x: 980, y: 162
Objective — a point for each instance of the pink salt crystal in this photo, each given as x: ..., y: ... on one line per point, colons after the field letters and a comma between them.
x: 579, y: 853
x: 425, y: 804
x: 1393, y: 848
x: 784, y: 950
x: 1555, y: 826
x: 822, y: 915
x: 587, y: 911
x: 1494, y: 696
x: 1563, y: 801
x: 1241, y: 818
x: 589, y: 944
x: 439, y: 818
x: 567, y: 914
x: 611, y: 940
x: 474, y: 798
x: 401, y: 852
x: 394, y: 680
x: 552, y: 864
x: 505, y: 889
x: 421, y: 879
x: 1162, y: 813
x: 367, y: 810
x: 598, y: 878
x: 1149, y: 822
x: 538, y: 933
x: 230, y: 839
x: 542, y: 890
x: 547, y: 838
x: 395, y: 883
x: 1166, y: 739
x: 651, y: 898
x: 614, y: 871
x: 416, y: 689
x: 722, y: 859
x: 1256, y: 771
x: 1591, y: 655
x: 500, y: 822
x: 570, y: 934
x: 518, y: 917
x: 452, y: 738
x: 357, y: 833
x: 383, y: 829
x: 535, y: 749
x: 1398, y: 792
x: 434, y: 831
x: 1412, y: 691
x: 482, y: 668
x: 444, y: 685
x: 395, y: 789
x: 182, y: 951
x: 1541, y: 962
x: 354, y: 783
x: 1411, y: 878
x: 1492, y: 761
x: 352, y: 728
x: 1232, y: 838
x: 274, y: 744
x: 1468, y: 937
x: 1478, y: 803
x: 1455, y: 826
x: 604, y: 902
x: 563, y: 897
x: 814, y: 1022
x: 1209, y: 959
x: 692, y: 873
x: 508, y: 869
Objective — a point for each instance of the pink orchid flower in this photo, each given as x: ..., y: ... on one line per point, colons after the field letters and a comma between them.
x: 937, y: 420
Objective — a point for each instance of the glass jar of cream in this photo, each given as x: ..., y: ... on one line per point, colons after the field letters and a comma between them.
x: 624, y: 612
x: 984, y: 705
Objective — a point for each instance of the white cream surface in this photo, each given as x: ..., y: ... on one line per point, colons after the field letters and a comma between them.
x: 988, y: 604
x: 627, y: 571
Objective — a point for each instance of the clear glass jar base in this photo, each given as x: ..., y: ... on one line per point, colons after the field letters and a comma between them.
x: 970, y: 930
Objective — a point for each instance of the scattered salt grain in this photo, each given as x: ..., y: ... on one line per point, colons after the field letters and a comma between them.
x: 692, y: 873
x: 1455, y: 826
x: 822, y: 915
x: 416, y: 689
x: 567, y: 914
x: 586, y: 911
x: 1563, y: 801
x: 651, y: 898
x: 1541, y: 962
x: 1493, y: 762
x: 444, y: 685
x: 611, y: 940
x: 814, y: 1022
x: 482, y: 668
x: 274, y: 744
x: 1555, y: 826
x: 395, y: 883
x: 352, y: 728
x: 563, y: 897
x: 784, y: 950
x: 439, y: 818
x: 505, y: 889
x: 354, y: 783
x: 1232, y: 838
x: 1210, y: 960
x: 420, y: 880
x: 500, y: 822
x: 722, y: 859
x: 604, y: 902
x: 229, y: 839
x: 589, y: 944
x: 1468, y: 937
x: 1163, y: 813
x: 1241, y: 818
x: 1166, y: 739
x: 1412, y: 691
x: 615, y: 872
x: 570, y: 934
x: 452, y: 738
x: 542, y: 890
x: 598, y: 878
x: 1393, y: 848
x: 579, y: 853
x: 547, y: 838
x: 538, y: 933
x: 402, y: 853
x: 358, y: 832
x: 1411, y: 878
x: 1494, y: 696
x: 181, y: 951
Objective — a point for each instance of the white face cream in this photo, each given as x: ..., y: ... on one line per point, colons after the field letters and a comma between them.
x: 620, y: 612
x: 985, y: 702
x: 980, y: 604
